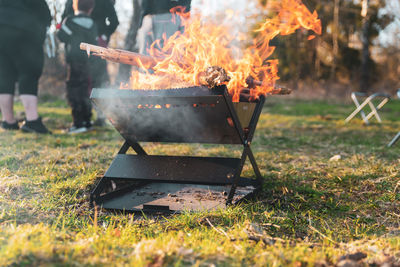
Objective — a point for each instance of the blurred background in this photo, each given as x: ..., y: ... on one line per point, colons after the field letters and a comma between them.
x: 359, y: 49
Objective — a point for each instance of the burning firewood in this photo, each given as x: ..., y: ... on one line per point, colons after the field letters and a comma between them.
x: 213, y: 76
x: 278, y: 90
x: 250, y: 95
x: 119, y: 56
x: 281, y: 91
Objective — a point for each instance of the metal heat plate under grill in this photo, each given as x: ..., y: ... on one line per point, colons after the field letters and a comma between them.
x: 205, y: 170
x: 172, y: 197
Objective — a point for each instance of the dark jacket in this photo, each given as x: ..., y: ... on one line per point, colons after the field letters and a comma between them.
x: 152, y: 7
x: 103, y: 14
x: 32, y: 16
x: 75, y: 30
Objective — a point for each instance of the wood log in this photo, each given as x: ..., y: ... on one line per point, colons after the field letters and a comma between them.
x: 280, y: 90
x: 246, y: 94
x: 119, y: 56
x: 213, y: 76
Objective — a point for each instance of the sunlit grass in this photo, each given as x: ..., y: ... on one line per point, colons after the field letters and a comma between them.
x: 311, y: 210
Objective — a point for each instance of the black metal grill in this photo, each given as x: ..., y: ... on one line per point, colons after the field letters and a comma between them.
x: 175, y: 183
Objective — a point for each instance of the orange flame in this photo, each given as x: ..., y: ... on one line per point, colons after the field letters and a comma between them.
x: 186, y: 55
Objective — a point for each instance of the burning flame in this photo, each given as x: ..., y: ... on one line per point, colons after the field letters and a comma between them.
x: 187, y: 55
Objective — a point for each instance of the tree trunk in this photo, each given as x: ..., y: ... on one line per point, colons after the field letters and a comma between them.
x: 335, y: 37
x: 364, y: 82
x: 130, y: 42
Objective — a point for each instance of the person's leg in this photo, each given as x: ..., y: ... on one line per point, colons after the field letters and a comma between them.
x: 77, y: 110
x: 165, y: 26
x: 77, y: 90
x: 75, y: 103
x: 30, y: 103
x: 87, y: 106
x: 8, y: 74
x: 145, y: 35
x: 33, y: 123
x: 7, y: 108
x: 29, y: 62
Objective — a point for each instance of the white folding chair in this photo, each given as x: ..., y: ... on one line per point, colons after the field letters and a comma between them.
x: 368, y: 101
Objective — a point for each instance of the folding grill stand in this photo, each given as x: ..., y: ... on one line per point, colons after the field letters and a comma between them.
x: 169, y: 174
x: 367, y: 101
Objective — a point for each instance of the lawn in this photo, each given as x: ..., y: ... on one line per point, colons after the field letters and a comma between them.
x: 312, y: 210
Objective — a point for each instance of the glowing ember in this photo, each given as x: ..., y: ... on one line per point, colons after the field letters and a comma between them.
x: 186, y: 55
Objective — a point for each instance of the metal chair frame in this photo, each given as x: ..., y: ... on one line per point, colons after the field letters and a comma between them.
x: 367, y: 101
x: 397, y: 137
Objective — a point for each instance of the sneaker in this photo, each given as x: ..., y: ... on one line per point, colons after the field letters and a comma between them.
x: 77, y: 130
x: 35, y: 126
x: 9, y: 126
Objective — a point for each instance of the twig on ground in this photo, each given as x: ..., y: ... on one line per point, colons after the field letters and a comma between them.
x: 321, y: 234
x: 219, y: 230
x: 271, y: 224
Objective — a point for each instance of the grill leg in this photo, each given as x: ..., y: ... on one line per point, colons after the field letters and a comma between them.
x: 102, y: 184
x: 246, y: 139
x: 125, y: 147
x: 135, y: 146
x: 255, y: 166
x: 236, y: 178
x: 246, y: 152
x: 97, y: 191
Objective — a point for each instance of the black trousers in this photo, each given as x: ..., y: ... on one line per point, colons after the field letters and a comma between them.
x: 21, y: 60
x: 78, y: 85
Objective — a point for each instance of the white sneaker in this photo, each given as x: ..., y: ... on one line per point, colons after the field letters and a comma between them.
x: 77, y: 130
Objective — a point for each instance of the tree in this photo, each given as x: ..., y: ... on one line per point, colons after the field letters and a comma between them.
x: 343, y: 49
x: 335, y: 36
x: 364, y: 81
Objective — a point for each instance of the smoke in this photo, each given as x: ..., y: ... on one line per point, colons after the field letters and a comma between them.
x: 182, y: 115
x: 243, y: 10
x: 239, y: 16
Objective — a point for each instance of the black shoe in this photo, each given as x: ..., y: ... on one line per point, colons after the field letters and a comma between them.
x: 35, y: 126
x: 9, y: 126
x: 88, y: 124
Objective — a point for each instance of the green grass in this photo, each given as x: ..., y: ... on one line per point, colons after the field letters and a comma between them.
x: 312, y: 210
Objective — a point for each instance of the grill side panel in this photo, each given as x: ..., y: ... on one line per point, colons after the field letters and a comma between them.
x: 168, y: 117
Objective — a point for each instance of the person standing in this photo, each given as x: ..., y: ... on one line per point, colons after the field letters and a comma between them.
x: 23, y: 25
x: 103, y: 14
x: 158, y: 22
x: 74, y: 30
x: 106, y: 20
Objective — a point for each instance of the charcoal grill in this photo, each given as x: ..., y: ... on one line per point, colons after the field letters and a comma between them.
x: 154, y: 183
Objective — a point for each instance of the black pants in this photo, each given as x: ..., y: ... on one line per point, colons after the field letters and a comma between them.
x: 78, y: 94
